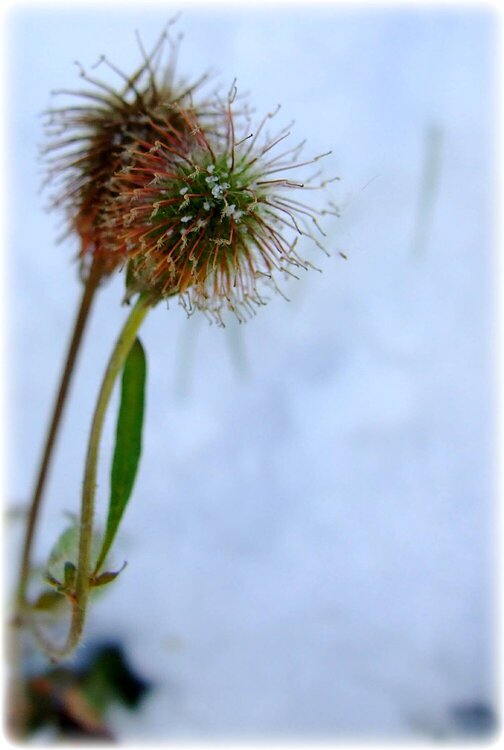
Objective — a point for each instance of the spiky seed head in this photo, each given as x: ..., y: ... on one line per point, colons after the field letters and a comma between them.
x: 210, y: 216
x: 90, y: 140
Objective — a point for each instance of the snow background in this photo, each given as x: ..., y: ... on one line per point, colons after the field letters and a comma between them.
x: 309, y: 544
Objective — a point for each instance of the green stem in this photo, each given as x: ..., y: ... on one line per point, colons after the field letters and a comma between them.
x: 88, y: 295
x: 79, y: 604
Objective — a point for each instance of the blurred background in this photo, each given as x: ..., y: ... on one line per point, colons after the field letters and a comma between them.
x: 309, y: 543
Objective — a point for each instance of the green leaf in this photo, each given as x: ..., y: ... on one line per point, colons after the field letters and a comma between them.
x: 128, y: 445
x: 66, y: 549
x: 49, y: 599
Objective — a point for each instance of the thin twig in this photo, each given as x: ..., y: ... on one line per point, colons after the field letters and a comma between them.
x: 87, y: 298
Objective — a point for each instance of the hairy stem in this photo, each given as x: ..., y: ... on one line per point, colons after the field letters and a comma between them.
x: 87, y: 298
x: 79, y: 601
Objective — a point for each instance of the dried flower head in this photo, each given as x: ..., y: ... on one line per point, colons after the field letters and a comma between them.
x: 90, y: 139
x: 210, y: 215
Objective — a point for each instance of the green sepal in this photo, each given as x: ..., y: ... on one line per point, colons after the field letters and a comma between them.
x: 104, y: 578
x: 70, y: 572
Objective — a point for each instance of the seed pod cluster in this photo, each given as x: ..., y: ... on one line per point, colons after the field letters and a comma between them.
x: 190, y: 197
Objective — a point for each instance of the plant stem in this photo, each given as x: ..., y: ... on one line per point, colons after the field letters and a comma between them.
x: 79, y: 603
x: 87, y: 298
x: 117, y: 359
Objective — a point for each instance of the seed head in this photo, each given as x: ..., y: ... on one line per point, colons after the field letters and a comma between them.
x: 209, y: 215
x: 90, y: 140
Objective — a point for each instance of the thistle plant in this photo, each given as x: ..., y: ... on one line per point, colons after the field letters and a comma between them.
x: 192, y: 203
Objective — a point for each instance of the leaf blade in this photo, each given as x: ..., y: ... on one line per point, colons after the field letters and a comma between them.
x: 128, y: 445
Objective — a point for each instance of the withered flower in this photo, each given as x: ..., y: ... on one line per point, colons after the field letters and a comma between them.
x: 209, y: 215
x: 90, y: 139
